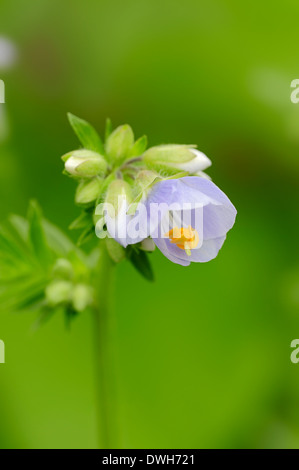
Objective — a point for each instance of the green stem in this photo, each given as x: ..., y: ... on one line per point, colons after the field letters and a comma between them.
x: 104, y: 330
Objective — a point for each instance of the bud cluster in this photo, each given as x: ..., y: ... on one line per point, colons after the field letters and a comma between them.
x: 70, y: 285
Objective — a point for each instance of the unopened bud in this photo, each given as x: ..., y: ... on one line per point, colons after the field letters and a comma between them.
x: 59, y: 292
x: 182, y: 157
x: 82, y: 297
x: 119, y: 195
x: 148, y: 244
x: 88, y: 191
x: 120, y: 142
x: 85, y: 163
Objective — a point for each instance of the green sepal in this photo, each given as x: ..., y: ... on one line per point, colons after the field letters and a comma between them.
x: 70, y: 315
x: 139, y: 147
x: 116, y: 252
x: 175, y: 176
x: 141, y: 262
x: 108, y: 128
x: 166, y: 171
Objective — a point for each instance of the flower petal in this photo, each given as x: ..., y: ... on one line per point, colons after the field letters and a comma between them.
x: 208, y: 188
x: 208, y: 251
x: 198, y: 163
x: 202, y: 174
x: 167, y: 249
x: 217, y: 220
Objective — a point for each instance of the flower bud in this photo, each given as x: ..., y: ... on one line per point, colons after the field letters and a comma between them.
x: 120, y: 142
x: 182, y: 157
x: 84, y: 163
x: 82, y: 297
x: 59, y: 292
x: 88, y: 191
x: 148, y: 245
x: 63, y: 269
x: 119, y: 195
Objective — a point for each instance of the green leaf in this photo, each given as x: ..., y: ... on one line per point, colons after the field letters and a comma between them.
x: 140, y: 261
x: 21, y: 226
x: 139, y: 147
x: 24, y: 293
x: 16, y: 257
x: 84, y: 220
x: 45, y: 315
x: 10, y: 247
x: 27, y: 247
x: 86, y: 133
x: 86, y: 236
x: 37, y: 234
x: 57, y: 240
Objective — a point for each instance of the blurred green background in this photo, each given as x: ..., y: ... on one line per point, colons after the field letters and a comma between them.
x: 203, y: 356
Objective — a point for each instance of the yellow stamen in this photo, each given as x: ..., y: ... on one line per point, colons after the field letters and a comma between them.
x: 184, y: 238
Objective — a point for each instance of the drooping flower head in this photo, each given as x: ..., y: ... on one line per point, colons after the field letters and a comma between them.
x: 142, y: 198
x: 194, y: 218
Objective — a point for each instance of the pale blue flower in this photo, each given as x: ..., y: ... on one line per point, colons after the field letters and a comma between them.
x: 193, y: 219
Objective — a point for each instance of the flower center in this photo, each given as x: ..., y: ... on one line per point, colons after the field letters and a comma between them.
x: 184, y: 238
